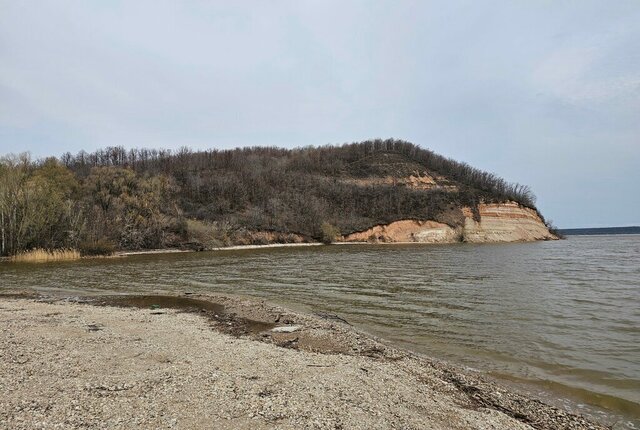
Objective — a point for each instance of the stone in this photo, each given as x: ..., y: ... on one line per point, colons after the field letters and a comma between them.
x: 286, y: 329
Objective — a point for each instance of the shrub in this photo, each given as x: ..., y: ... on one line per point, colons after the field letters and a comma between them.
x: 209, y: 234
x: 329, y: 233
x: 554, y: 230
x: 100, y: 247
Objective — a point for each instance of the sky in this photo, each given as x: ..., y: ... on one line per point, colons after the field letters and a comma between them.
x: 544, y: 93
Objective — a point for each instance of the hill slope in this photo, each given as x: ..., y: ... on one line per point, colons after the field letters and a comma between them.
x: 140, y: 199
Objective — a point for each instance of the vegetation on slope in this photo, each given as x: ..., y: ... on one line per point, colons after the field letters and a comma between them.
x: 141, y: 199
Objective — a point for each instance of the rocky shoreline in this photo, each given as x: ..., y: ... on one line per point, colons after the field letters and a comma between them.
x: 213, y: 361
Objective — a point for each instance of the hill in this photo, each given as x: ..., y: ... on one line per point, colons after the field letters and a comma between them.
x: 143, y: 199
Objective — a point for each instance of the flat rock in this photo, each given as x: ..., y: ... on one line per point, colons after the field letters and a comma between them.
x: 286, y: 329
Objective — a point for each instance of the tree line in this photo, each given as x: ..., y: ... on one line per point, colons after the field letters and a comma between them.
x: 139, y: 199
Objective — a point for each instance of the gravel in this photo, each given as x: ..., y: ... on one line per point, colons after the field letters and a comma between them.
x: 67, y: 364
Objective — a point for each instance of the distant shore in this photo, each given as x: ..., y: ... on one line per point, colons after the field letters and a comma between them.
x: 600, y: 231
x: 142, y: 361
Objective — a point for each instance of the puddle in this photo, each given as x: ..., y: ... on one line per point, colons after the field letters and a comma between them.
x: 166, y: 302
x: 225, y: 321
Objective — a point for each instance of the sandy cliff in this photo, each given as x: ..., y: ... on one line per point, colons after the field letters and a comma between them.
x: 505, y: 222
x: 408, y: 231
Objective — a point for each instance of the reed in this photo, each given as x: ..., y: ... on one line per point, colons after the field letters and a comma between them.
x: 44, y: 255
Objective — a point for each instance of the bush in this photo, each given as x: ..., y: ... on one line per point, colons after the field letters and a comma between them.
x: 209, y: 234
x: 329, y: 233
x: 97, y: 247
x: 554, y: 230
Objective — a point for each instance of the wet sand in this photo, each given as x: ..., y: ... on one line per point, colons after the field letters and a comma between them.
x: 205, y: 361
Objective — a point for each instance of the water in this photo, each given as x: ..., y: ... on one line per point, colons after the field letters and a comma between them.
x: 559, y: 319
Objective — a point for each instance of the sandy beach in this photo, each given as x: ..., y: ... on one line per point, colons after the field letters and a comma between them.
x: 197, y: 361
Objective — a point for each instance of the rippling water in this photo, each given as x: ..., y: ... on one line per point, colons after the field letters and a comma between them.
x: 560, y: 319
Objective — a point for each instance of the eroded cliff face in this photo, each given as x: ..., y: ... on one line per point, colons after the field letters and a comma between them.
x: 408, y: 231
x: 505, y: 222
x: 416, y: 181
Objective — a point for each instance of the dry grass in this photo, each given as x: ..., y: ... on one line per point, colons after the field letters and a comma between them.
x: 43, y: 255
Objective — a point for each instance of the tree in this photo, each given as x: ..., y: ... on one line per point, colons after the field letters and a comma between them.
x: 13, y: 171
x: 36, y: 205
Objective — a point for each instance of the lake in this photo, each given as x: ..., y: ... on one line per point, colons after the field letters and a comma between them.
x: 560, y: 319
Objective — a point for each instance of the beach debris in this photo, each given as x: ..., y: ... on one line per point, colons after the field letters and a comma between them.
x: 332, y: 317
x: 93, y: 327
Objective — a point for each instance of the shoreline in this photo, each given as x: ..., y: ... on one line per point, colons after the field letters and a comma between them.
x: 221, y: 248
x: 326, y: 352
x: 298, y: 245
x: 159, y: 251
x: 267, y: 246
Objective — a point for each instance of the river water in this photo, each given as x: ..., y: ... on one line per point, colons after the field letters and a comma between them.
x: 559, y: 320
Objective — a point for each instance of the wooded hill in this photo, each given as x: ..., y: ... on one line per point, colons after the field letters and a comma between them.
x: 141, y: 199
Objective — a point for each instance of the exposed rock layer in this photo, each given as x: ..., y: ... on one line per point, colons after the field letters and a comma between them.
x: 505, y: 222
x: 408, y: 231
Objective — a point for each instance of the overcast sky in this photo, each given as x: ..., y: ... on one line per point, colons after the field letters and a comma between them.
x: 545, y: 93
